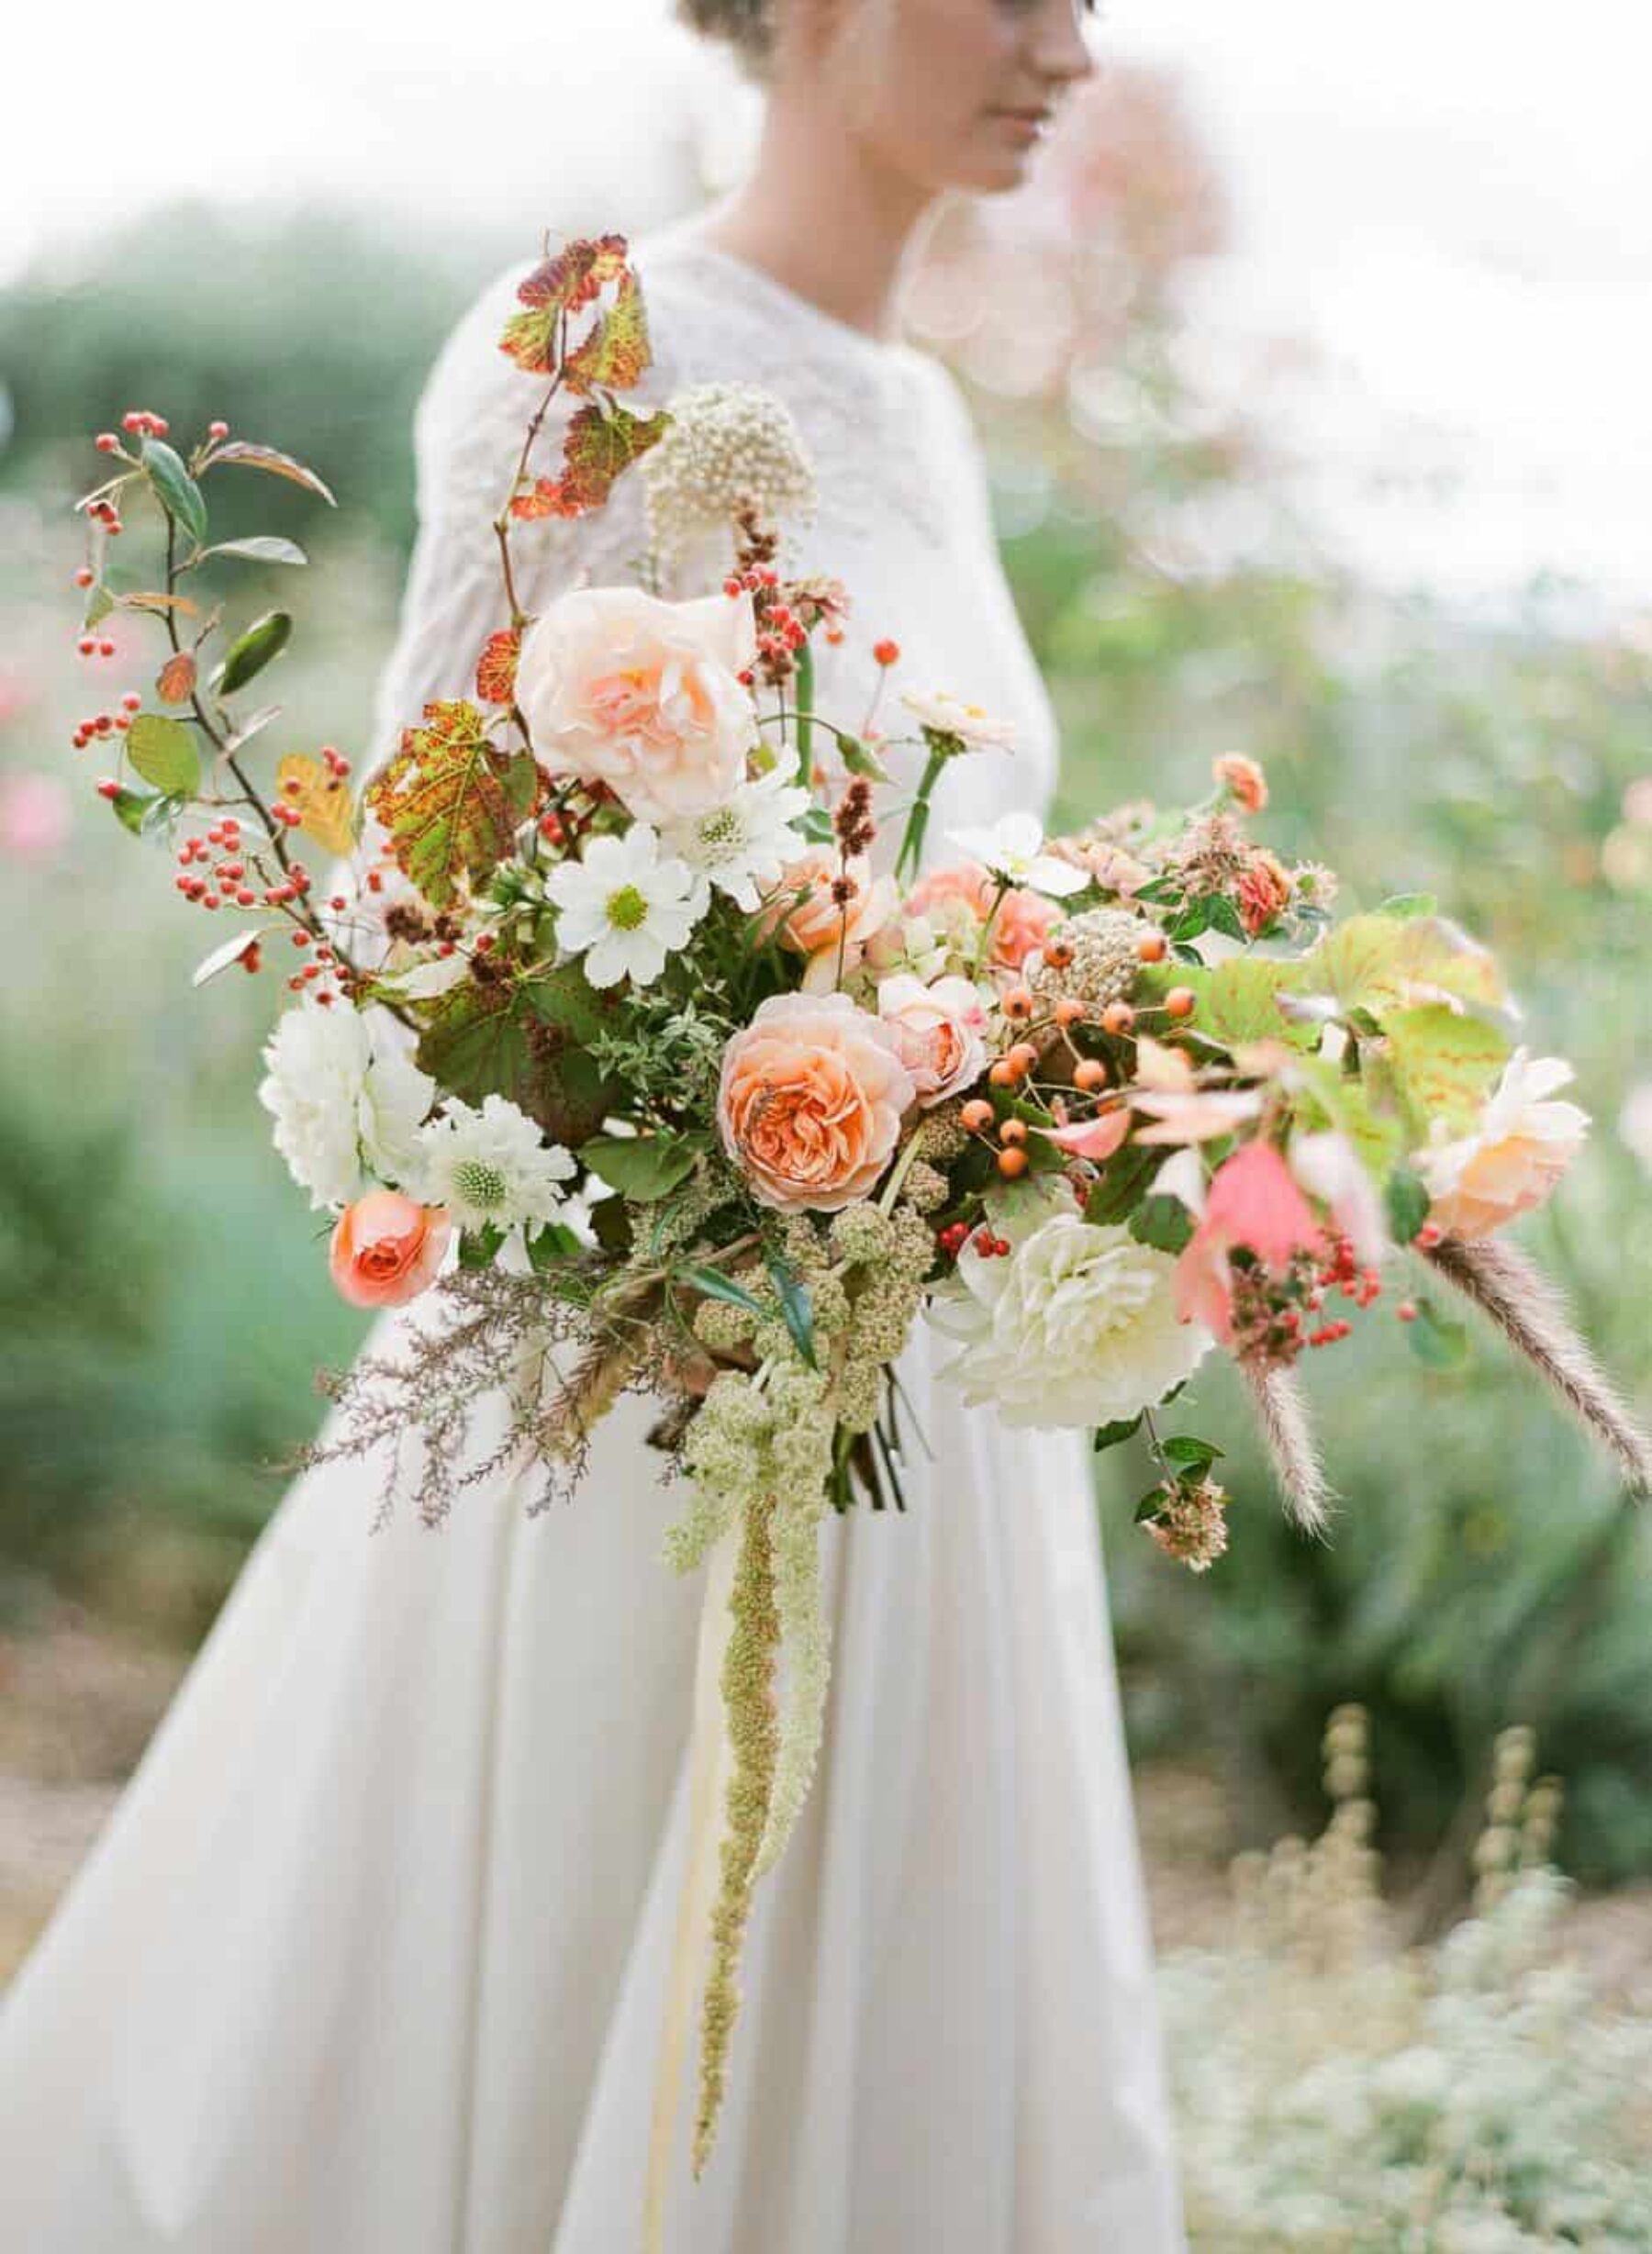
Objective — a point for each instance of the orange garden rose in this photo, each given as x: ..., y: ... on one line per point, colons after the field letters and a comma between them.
x: 387, y: 1249
x: 1025, y: 920
x: 810, y: 1101
x: 820, y: 924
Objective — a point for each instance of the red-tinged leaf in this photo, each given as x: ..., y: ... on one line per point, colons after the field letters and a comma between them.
x: 277, y: 464
x: 601, y: 443
x: 545, y: 498
x: 558, y: 285
x: 158, y: 603
x: 174, y: 684
x: 452, y: 800
x: 496, y: 668
x: 617, y: 351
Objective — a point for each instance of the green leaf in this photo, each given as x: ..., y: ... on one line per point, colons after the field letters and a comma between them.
x: 641, y: 1167
x: 99, y: 603
x: 795, y: 1308
x: 163, y: 751
x: 177, y: 491
x: 477, y: 1246
x: 1123, y: 1183
x: 1151, y: 1504
x: 277, y: 464
x: 1194, y: 919
x: 252, y: 651
x: 132, y: 805
x: 262, y: 548
x: 1366, y: 1114
x: 1109, y: 1436
x: 1191, y: 1455
x: 1225, y: 918
x: 858, y: 759
x: 452, y: 799
x: 1163, y: 1221
x: 716, y: 1286
x: 816, y: 825
x: 1407, y: 1199
x: 553, y: 1244
x: 1444, y: 1064
x: 1403, y: 904
x: 476, y: 1044
x: 1238, y: 1001
x: 1438, y: 1341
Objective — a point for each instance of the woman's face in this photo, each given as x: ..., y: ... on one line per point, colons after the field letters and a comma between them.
x: 955, y: 94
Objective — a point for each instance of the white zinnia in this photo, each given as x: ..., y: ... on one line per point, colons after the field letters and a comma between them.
x: 1076, y: 1327
x: 1013, y: 850
x: 949, y: 716
x: 342, y: 1093
x: 494, y: 1165
x: 623, y: 908
x: 743, y: 845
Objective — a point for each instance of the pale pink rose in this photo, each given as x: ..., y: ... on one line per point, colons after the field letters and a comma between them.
x: 1024, y: 920
x: 387, y: 1249
x: 1199, y: 1116
x: 806, y: 911
x: 620, y: 687
x: 35, y: 815
x: 810, y: 1099
x: 939, y: 1029
x: 1513, y: 1160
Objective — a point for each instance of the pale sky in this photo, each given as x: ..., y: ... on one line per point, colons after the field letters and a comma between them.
x: 1451, y: 200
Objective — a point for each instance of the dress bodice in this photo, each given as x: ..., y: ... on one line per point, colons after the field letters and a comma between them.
x: 904, y: 515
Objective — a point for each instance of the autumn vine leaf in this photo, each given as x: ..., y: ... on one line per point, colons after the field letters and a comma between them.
x: 600, y: 444
x: 564, y: 284
x: 497, y: 666
x: 320, y: 799
x: 617, y: 351
x: 452, y: 801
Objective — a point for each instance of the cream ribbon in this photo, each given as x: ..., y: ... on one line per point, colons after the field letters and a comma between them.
x: 710, y: 1763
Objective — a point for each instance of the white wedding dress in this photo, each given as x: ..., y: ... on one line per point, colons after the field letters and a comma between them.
x: 372, y: 1956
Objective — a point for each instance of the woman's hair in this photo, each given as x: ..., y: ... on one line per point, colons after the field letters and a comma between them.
x: 746, y: 25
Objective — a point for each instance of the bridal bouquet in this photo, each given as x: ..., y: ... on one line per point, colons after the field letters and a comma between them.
x: 641, y: 1032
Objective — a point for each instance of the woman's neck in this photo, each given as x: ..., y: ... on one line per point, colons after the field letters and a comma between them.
x: 822, y: 219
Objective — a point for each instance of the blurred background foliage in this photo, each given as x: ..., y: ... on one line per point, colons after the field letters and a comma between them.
x: 164, y: 1298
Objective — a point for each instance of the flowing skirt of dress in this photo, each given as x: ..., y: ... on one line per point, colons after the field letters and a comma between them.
x: 372, y: 1956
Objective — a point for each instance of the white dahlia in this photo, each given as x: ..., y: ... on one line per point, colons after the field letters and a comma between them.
x: 343, y: 1093
x: 1076, y: 1327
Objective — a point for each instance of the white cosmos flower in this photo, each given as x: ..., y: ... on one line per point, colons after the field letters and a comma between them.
x: 1012, y: 849
x: 342, y: 1092
x: 493, y: 1166
x: 1076, y: 1328
x: 623, y: 908
x: 743, y: 845
x: 949, y: 715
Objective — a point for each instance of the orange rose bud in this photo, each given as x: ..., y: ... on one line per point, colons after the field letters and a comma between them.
x: 1090, y: 1075
x: 1181, y: 1002
x: 1152, y: 947
x: 1011, y: 1163
x: 976, y: 1116
x: 1118, y: 1018
x: 385, y: 1249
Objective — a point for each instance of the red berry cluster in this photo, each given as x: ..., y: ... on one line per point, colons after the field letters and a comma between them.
x: 91, y: 646
x: 957, y: 1234
x: 140, y: 419
x: 1270, y: 1308
x: 108, y: 515
x: 107, y: 723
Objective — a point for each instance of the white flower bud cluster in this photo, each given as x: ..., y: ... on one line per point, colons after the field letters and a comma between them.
x: 728, y: 445
x: 1105, y: 965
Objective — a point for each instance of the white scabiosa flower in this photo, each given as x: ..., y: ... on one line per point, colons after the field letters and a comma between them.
x: 729, y: 444
x: 743, y: 845
x: 494, y: 1165
x: 343, y: 1095
x: 977, y: 729
x: 624, y: 908
x: 1077, y: 1327
x: 1012, y: 850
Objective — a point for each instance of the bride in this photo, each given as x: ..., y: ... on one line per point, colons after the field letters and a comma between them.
x: 373, y: 1956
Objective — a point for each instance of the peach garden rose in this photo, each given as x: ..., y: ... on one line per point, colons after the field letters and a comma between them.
x: 387, y: 1249
x: 811, y: 918
x: 1024, y: 920
x: 623, y: 688
x: 1523, y: 1145
x: 809, y: 1101
x: 940, y: 1029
